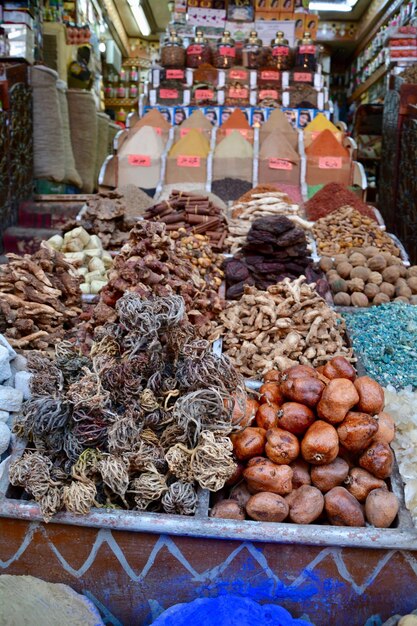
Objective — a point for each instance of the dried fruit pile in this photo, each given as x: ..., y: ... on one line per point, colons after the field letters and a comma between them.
x: 365, y: 276
x: 40, y: 298
x: 346, y: 228
x: 319, y: 451
x: 287, y: 324
x: 138, y: 424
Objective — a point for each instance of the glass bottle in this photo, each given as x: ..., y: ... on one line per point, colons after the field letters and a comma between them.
x: 280, y: 51
x: 198, y: 51
x: 252, y: 51
x: 173, y: 51
x: 306, y: 55
x: 226, y: 52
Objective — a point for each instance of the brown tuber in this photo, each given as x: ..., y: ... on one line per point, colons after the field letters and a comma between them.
x: 320, y: 444
x: 371, y: 395
x: 295, y: 417
x: 306, y: 504
x: 378, y: 460
x: 241, y: 494
x: 339, y: 367
x: 386, y: 429
x: 381, y: 508
x: 357, y: 430
x: 249, y: 443
x: 228, y: 509
x: 301, y: 473
x: 267, y: 507
x: 325, y: 477
x: 342, y: 508
x: 338, y: 398
x: 282, y: 447
x: 299, y: 371
x: 263, y: 475
x: 270, y: 392
x: 307, y: 390
x: 267, y: 415
x: 360, y: 482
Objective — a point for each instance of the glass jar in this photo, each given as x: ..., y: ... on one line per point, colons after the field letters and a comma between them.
x: 173, y: 51
x: 134, y: 75
x: 252, y: 52
x: 280, y: 51
x: 306, y: 55
x: 198, y: 51
x: 225, y: 55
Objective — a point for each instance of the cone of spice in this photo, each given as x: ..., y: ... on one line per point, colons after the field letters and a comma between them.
x: 234, y: 156
x: 317, y: 126
x: 139, y: 159
x: 279, y: 121
x: 332, y: 197
x: 327, y: 161
x: 198, y: 121
x: 278, y: 161
x: 187, y: 159
x: 155, y: 119
x: 236, y: 122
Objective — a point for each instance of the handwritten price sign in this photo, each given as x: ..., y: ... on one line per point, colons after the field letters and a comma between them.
x: 139, y: 160
x: 168, y: 94
x: 238, y: 93
x: 280, y: 164
x: 204, y: 94
x: 330, y: 163
x: 268, y: 93
x: 238, y: 75
x: 225, y: 51
x: 302, y: 77
x: 175, y: 74
x: 270, y: 75
x: 188, y: 161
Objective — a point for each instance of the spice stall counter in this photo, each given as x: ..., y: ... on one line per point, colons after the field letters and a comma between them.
x: 134, y: 565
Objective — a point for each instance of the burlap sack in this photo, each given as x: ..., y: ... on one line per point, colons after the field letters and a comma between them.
x: 71, y: 175
x: 102, y: 142
x: 48, y: 134
x: 233, y: 167
x: 83, y: 126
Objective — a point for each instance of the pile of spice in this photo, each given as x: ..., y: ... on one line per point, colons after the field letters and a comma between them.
x: 266, y: 204
x: 303, y: 96
x: 156, y: 120
x: 346, y: 228
x: 278, y: 121
x: 385, y: 339
x: 138, y: 424
x: 326, y: 145
x: 194, y: 213
x: 198, y: 121
x: 365, y: 276
x: 274, y: 249
x: 318, y: 125
x: 193, y: 143
x: 152, y: 263
x: 40, y: 298
x: 284, y: 326
x: 232, y: 156
x: 228, y: 189
x: 247, y: 197
x: 333, y: 196
x: 278, y: 160
x: 187, y: 159
x: 139, y: 159
x: 236, y: 122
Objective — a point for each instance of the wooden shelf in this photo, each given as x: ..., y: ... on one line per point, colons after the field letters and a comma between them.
x: 376, y: 76
x: 111, y: 103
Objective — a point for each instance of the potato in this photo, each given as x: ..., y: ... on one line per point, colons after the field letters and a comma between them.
x: 241, y: 494
x: 295, y: 417
x: 267, y: 507
x: 338, y: 398
x: 378, y: 460
x: 320, y: 444
x: 248, y: 443
x: 386, y: 429
x: 281, y: 447
x: 339, y: 367
x: 306, y: 391
x: 228, y: 509
x: 371, y: 395
x: 357, y: 430
x: 301, y: 473
x: 381, y: 508
x: 342, y: 508
x: 360, y: 483
x: 263, y: 475
x: 306, y: 504
x: 325, y: 477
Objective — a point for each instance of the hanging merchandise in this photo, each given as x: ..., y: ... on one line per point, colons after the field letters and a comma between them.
x: 198, y: 51
x: 225, y: 54
x: 83, y: 125
x: 80, y: 75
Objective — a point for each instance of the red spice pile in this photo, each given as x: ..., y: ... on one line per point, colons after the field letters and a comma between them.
x: 330, y: 198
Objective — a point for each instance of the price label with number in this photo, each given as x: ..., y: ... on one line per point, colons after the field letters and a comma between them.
x: 330, y: 163
x: 188, y: 161
x: 302, y: 77
x: 175, y: 74
x: 139, y: 160
x: 168, y: 94
x: 280, y: 164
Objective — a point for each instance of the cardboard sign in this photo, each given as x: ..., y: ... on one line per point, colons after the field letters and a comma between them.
x: 168, y: 94
x: 235, y: 92
x: 139, y: 160
x: 238, y: 75
x: 302, y: 77
x: 280, y: 164
x: 225, y: 51
x: 242, y: 131
x: 204, y: 94
x: 188, y: 161
x: 330, y: 163
x: 175, y: 74
x: 270, y: 75
x: 268, y: 93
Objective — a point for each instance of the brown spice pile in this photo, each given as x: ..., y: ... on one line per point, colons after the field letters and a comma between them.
x: 332, y: 197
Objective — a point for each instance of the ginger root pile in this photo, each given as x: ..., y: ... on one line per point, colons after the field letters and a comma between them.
x: 40, y: 298
x: 285, y: 325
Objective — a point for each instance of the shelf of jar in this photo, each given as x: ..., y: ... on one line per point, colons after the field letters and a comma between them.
x: 111, y: 103
x: 369, y: 82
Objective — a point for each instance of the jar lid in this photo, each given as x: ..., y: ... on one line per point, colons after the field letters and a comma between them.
x: 280, y: 39
x: 253, y: 38
x: 307, y: 38
x: 199, y: 37
x: 227, y: 38
x: 173, y: 37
